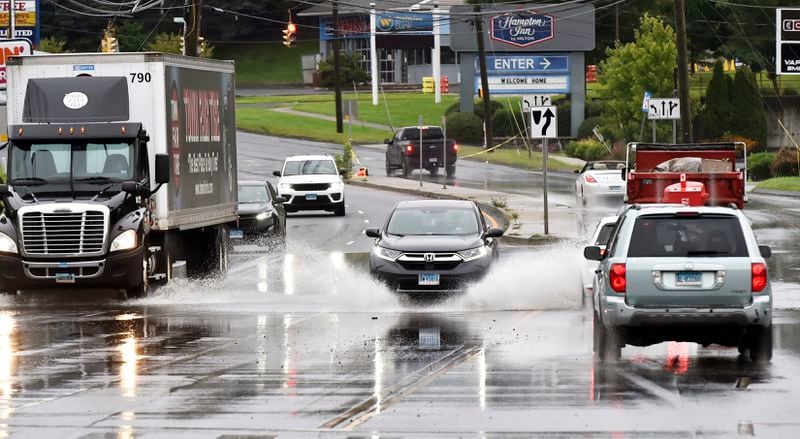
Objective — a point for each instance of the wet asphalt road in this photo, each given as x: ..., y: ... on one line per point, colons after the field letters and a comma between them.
x: 304, y: 344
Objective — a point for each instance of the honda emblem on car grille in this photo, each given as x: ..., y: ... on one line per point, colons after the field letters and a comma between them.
x: 429, y: 257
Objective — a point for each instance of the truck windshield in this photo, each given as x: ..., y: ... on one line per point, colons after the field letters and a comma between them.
x: 427, y: 221
x: 55, y: 162
x: 306, y: 167
x: 703, y: 236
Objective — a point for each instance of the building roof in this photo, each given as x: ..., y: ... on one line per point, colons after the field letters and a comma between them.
x: 362, y: 6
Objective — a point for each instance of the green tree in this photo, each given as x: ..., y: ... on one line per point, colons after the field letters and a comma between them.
x: 717, y: 113
x: 749, y: 115
x: 350, y: 70
x: 646, y: 64
x: 130, y: 34
x: 52, y: 45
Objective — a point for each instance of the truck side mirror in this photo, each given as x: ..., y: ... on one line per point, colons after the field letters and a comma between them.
x: 373, y: 233
x: 494, y: 233
x: 624, y: 172
x: 387, y: 141
x: 276, y: 173
x: 4, y: 191
x: 162, y: 168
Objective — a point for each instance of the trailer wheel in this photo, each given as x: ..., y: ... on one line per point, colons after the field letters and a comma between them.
x: 218, y: 265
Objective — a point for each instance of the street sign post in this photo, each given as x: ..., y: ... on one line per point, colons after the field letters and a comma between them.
x: 664, y: 109
x: 544, y: 125
x: 787, y: 41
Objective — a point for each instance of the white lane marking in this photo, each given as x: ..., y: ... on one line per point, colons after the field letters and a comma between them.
x: 364, y: 232
x: 360, y: 212
x: 350, y: 243
x: 366, y: 221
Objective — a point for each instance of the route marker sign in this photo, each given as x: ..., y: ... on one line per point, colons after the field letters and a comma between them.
x: 659, y: 109
x: 544, y: 122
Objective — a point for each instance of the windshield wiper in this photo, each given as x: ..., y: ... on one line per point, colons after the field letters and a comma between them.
x: 95, y: 180
x: 29, y: 181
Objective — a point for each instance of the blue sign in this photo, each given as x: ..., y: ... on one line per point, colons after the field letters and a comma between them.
x: 522, y: 29
x: 526, y: 64
x: 404, y: 22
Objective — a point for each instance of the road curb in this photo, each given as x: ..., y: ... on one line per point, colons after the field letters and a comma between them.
x: 490, y: 210
x: 777, y: 193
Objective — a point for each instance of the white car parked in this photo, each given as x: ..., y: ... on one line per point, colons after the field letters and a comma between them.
x: 600, y: 239
x: 311, y: 182
x: 600, y: 179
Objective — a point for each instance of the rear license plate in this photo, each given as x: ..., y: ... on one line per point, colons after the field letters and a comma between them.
x: 432, y: 160
x: 429, y: 279
x: 430, y: 339
x: 65, y: 278
x: 688, y: 278
x: 236, y: 234
x: 615, y: 188
x: 311, y: 197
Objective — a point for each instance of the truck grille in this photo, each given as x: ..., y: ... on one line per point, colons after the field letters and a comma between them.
x: 63, y: 233
x: 310, y: 186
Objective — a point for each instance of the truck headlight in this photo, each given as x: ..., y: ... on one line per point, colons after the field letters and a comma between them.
x: 386, y: 253
x: 474, y: 253
x: 285, y: 186
x: 262, y: 216
x: 7, y: 245
x: 337, y: 185
x: 125, y: 241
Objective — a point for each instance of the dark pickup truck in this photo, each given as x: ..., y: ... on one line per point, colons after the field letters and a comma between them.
x: 406, y: 151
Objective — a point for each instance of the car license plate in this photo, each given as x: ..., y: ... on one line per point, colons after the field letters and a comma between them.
x: 688, y: 278
x: 65, y: 278
x: 432, y: 160
x: 311, y: 197
x: 615, y: 188
x: 429, y: 279
x: 236, y: 234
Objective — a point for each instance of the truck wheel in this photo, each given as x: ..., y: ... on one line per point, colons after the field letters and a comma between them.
x: 406, y: 168
x: 450, y: 170
x: 760, y: 344
x: 219, y: 258
x: 434, y: 171
x: 341, y: 210
x: 142, y: 287
x: 389, y: 169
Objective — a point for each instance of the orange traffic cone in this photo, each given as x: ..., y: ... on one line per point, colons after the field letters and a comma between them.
x: 362, y: 172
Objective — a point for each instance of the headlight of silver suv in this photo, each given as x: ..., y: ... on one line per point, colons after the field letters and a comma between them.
x: 386, y: 253
x: 474, y: 253
x: 7, y: 245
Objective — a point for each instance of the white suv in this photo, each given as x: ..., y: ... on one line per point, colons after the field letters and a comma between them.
x: 311, y: 182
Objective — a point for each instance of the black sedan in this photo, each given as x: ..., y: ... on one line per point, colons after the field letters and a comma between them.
x: 433, y: 246
x: 262, y: 216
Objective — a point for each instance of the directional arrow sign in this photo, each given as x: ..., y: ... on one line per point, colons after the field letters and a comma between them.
x: 545, y: 63
x: 664, y: 109
x: 544, y: 122
x: 529, y: 101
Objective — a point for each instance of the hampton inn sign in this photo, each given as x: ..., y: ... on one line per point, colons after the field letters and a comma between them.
x: 522, y: 29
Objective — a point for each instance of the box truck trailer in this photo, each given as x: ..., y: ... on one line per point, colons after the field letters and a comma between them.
x: 120, y: 166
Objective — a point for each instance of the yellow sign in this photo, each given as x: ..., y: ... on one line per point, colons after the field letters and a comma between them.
x: 25, y: 13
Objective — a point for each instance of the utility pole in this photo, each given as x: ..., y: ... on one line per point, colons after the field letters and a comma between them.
x: 336, y: 72
x: 12, y: 20
x: 190, y: 23
x: 487, y: 101
x: 616, y: 22
x: 683, y: 73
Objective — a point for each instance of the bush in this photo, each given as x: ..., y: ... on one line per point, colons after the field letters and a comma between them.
x: 477, y: 108
x: 585, y: 130
x: 344, y: 161
x: 563, y: 108
x: 784, y: 164
x: 594, y: 107
x: 504, y: 124
x: 586, y: 149
x: 465, y: 128
x: 758, y: 165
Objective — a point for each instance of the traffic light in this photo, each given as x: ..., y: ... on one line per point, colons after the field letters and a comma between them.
x: 289, y: 35
x: 109, y: 42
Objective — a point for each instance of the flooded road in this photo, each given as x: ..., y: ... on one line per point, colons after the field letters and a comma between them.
x: 305, y: 344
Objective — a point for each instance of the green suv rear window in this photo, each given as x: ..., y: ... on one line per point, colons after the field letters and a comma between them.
x: 696, y: 236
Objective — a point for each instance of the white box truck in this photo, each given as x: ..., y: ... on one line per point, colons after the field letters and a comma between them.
x: 92, y: 140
